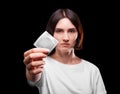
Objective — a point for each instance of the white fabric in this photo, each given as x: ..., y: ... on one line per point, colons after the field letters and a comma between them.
x: 59, y: 78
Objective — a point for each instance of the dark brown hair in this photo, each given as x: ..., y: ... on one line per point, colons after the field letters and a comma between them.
x: 73, y: 17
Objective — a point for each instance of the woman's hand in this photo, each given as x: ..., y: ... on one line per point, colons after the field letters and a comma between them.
x: 33, y: 60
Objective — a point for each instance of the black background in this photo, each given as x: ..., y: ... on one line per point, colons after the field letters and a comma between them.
x: 23, y: 22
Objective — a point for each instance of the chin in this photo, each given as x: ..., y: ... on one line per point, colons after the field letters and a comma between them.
x: 65, y: 49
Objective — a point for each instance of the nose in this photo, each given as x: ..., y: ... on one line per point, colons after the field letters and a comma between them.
x: 65, y: 37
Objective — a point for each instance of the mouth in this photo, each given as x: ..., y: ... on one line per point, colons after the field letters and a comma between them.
x: 65, y: 44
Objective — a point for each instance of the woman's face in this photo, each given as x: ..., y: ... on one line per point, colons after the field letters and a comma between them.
x: 66, y: 33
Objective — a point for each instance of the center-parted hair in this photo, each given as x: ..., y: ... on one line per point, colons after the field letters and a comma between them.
x: 73, y: 17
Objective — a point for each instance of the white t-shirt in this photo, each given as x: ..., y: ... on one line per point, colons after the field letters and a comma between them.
x: 59, y: 78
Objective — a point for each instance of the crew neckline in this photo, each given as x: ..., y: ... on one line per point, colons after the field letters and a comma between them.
x: 66, y: 66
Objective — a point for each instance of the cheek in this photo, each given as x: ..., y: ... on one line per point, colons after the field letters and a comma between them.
x: 57, y: 36
x: 74, y: 37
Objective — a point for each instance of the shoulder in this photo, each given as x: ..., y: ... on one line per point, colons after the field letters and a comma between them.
x: 92, y: 69
x: 90, y: 66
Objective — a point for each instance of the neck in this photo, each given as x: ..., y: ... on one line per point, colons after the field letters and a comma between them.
x: 65, y: 57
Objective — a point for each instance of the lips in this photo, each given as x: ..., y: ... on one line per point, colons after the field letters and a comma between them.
x: 65, y: 44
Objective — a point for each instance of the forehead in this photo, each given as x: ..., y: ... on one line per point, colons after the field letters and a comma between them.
x: 64, y: 23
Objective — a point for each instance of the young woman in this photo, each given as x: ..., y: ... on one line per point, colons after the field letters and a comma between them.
x: 62, y: 72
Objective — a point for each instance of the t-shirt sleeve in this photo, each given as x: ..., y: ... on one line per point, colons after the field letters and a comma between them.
x: 99, y: 87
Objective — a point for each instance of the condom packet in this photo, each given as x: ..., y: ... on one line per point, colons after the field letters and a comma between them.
x: 46, y: 40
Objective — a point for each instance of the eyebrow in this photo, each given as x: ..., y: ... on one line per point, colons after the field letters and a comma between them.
x: 62, y: 29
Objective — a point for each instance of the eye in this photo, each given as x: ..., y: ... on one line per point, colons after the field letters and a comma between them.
x: 72, y: 30
x: 58, y: 30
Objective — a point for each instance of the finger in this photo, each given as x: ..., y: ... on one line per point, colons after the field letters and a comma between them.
x: 34, y: 50
x: 36, y: 71
x: 35, y: 64
x: 34, y: 57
